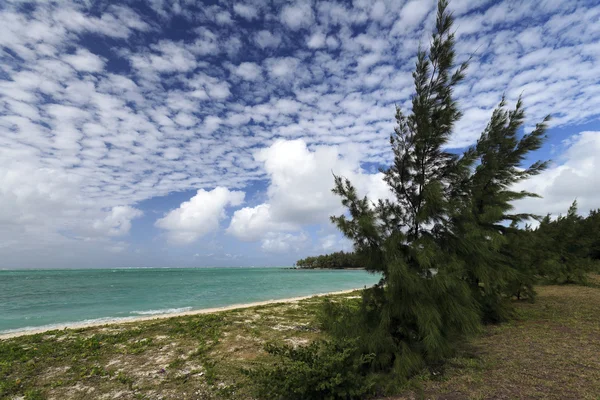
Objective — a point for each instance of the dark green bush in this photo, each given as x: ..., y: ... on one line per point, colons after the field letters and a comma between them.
x: 322, y: 370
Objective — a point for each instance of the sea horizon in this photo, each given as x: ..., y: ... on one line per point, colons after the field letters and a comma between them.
x: 128, y: 267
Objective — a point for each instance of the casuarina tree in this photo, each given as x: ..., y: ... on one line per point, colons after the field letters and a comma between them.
x: 422, y: 304
x: 438, y: 242
x: 500, y: 154
x: 566, y: 251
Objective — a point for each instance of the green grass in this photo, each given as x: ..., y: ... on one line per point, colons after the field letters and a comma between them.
x: 551, y: 352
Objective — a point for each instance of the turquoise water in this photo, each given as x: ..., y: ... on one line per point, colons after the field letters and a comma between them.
x: 42, y: 298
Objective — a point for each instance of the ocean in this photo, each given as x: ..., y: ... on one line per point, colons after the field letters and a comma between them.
x: 34, y: 299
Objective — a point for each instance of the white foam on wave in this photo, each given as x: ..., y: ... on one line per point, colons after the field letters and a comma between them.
x: 162, y: 311
x: 94, y: 321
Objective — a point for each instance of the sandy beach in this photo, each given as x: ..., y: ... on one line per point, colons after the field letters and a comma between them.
x: 131, y: 320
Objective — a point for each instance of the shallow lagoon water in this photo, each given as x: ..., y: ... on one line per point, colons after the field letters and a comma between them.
x: 32, y: 299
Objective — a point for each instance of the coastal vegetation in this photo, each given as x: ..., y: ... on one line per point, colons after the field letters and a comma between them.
x: 336, y: 260
x: 448, y: 243
x: 550, y: 350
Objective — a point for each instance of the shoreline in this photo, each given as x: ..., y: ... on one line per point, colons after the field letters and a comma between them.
x: 135, y: 319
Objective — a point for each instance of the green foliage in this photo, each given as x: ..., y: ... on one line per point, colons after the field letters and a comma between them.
x: 423, y: 305
x: 566, y: 249
x: 493, y: 264
x: 559, y: 251
x: 447, y: 256
x: 337, y: 260
x: 34, y: 395
x: 321, y: 370
x: 591, y: 234
x: 522, y: 254
x: 124, y: 379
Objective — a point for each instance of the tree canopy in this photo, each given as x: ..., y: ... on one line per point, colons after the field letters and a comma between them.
x: 451, y: 251
x: 337, y: 260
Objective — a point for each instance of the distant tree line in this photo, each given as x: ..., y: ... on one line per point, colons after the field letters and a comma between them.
x: 337, y: 260
x: 559, y: 251
x: 448, y: 245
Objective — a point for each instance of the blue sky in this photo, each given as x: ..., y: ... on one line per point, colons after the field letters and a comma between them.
x: 185, y: 133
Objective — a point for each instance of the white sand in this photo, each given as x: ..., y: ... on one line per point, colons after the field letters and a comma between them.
x: 131, y: 320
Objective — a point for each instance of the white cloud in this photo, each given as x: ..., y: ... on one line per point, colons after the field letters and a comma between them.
x: 316, y: 40
x: 118, y: 22
x: 575, y: 177
x: 332, y: 42
x: 249, y: 71
x: 223, y: 18
x: 212, y: 123
x: 300, y: 188
x: 206, y: 43
x: 297, y: 16
x: 245, y: 11
x: 280, y: 243
x: 85, y: 61
x: 219, y: 91
x: 412, y: 15
x: 281, y: 67
x: 118, y: 221
x: 199, y: 216
x: 251, y: 223
x: 41, y: 208
x: 265, y: 39
x: 378, y: 10
x: 185, y: 119
x: 333, y: 242
x: 329, y: 242
x: 166, y: 56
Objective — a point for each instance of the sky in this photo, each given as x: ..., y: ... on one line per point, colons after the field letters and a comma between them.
x: 184, y: 133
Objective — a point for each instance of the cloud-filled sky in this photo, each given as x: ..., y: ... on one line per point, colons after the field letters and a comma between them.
x: 189, y: 133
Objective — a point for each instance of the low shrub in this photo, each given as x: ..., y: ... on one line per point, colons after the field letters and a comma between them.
x: 322, y: 370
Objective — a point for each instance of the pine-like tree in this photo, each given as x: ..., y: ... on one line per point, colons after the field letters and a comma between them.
x: 566, y: 253
x: 422, y: 304
x: 591, y: 234
x: 500, y: 154
x: 522, y: 253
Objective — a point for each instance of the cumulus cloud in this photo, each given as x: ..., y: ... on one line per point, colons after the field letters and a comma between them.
x: 300, y: 183
x: 42, y: 208
x: 199, y: 216
x: 118, y: 221
x: 573, y: 177
x: 251, y: 223
x: 279, y: 243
